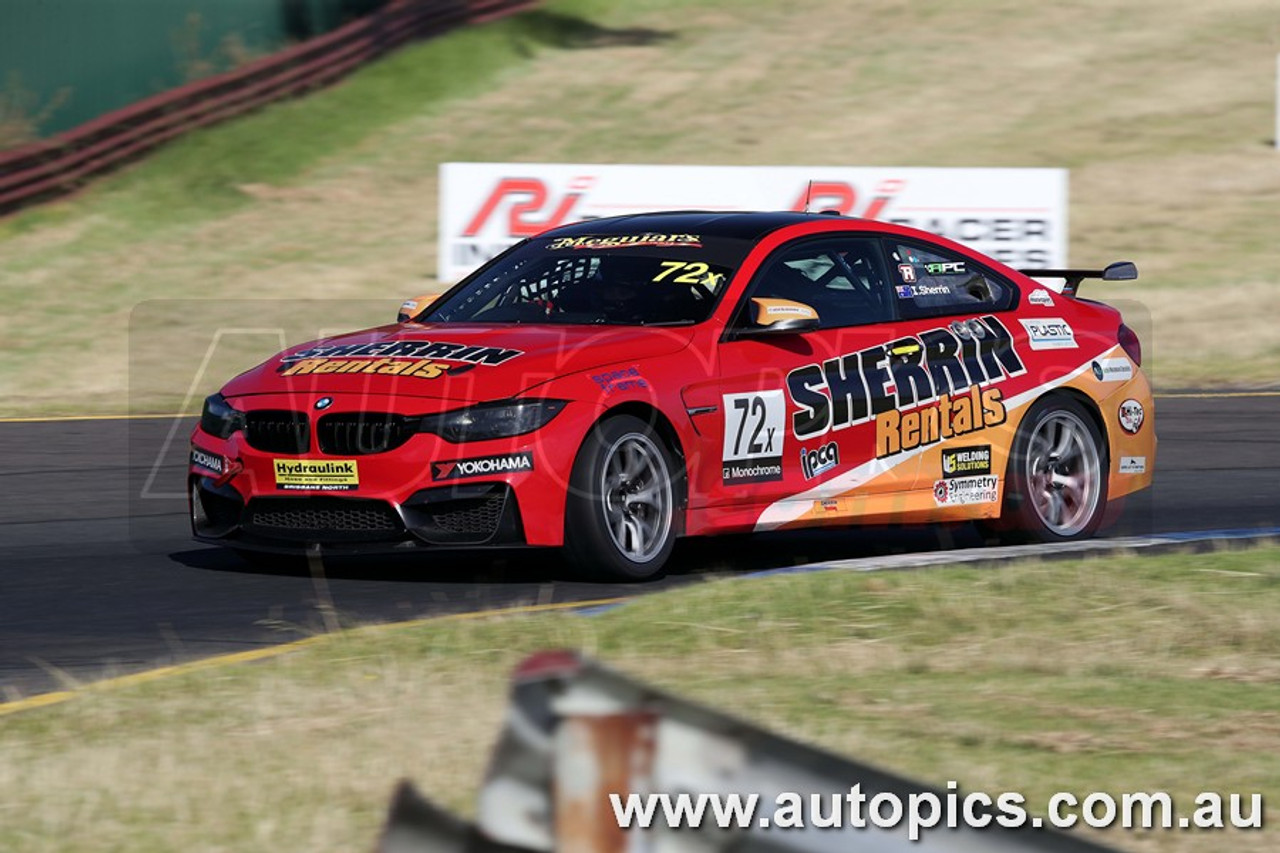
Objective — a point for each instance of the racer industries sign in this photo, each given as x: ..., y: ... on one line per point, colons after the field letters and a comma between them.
x: 1018, y: 216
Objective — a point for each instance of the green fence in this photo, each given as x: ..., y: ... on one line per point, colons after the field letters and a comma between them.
x: 63, y: 62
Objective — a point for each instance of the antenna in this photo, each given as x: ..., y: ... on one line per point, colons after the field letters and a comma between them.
x: 808, y: 194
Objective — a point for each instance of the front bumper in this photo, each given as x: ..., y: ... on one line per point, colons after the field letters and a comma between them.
x: 471, y: 515
x: 421, y: 492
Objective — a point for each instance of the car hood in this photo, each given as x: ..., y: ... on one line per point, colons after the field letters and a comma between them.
x: 468, y: 363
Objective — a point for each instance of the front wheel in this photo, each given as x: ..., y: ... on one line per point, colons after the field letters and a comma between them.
x: 620, y: 523
x: 1056, y: 489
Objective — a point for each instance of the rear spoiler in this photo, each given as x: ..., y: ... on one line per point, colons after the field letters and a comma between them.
x: 1119, y: 271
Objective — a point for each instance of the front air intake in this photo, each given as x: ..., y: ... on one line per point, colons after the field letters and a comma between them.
x: 278, y: 431
x: 362, y: 433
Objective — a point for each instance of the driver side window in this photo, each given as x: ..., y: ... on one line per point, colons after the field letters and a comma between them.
x: 842, y: 278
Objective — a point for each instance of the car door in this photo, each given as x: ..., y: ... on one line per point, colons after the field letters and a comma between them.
x: 799, y: 410
x: 958, y: 312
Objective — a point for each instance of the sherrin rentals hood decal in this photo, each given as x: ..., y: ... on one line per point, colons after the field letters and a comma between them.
x: 419, y: 359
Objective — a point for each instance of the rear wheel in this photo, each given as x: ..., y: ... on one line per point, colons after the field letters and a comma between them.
x: 1056, y: 488
x: 620, y: 523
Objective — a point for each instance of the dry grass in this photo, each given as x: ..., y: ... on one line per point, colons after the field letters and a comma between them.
x: 1111, y: 674
x: 1162, y: 110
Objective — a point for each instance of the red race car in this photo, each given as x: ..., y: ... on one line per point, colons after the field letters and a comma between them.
x: 611, y: 385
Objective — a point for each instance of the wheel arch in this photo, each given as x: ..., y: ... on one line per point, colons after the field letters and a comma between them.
x: 1090, y: 406
x: 653, y: 416
x: 666, y: 430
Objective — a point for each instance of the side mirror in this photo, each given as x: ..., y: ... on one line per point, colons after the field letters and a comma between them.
x: 1120, y: 271
x: 780, y: 317
x: 411, y: 308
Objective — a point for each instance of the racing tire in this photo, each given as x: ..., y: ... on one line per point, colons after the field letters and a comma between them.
x: 1056, y: 482
x: 624, y: 494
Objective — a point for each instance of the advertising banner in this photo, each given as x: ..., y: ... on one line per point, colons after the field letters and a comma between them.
x: 1018, y: 216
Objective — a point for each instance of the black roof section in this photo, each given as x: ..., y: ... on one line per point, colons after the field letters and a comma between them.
x: 739, y: 225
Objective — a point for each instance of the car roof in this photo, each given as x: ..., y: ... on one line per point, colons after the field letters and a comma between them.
x: 741, y: 225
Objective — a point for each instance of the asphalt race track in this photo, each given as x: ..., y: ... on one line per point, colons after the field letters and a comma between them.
x: 98, y: 576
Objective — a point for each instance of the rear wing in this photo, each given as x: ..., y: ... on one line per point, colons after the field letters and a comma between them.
x: 1119, y: 271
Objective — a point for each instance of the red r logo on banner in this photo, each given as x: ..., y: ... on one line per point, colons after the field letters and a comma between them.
x: 842, y: 197
x: 533, y: 197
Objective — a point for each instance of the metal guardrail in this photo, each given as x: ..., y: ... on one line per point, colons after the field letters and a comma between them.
x: 62, y: 164
x: 576, y: 732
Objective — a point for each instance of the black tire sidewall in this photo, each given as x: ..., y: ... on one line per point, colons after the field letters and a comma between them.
x: 587, y: 542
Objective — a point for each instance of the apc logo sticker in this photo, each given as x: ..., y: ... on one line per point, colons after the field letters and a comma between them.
x: 966, y: 461
x: 504, y: 463
x: 820, y: 461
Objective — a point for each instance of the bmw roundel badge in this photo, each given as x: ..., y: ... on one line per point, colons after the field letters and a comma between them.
x: 324, y: 403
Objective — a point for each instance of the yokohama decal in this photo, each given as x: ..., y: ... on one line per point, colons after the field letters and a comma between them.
x: 505, y: 463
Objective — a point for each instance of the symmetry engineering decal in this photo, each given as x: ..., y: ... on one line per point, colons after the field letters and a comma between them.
x: 966, y: 490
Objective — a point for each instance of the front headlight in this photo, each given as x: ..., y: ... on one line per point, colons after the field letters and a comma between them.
x: 219, y: 418
x: 501, y: 419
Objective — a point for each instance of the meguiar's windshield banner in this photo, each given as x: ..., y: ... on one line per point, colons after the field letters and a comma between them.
x: 1017, y: 216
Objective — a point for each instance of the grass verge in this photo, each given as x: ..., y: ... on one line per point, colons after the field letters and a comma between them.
x: 1109, y: 674
x: 1162, y: 111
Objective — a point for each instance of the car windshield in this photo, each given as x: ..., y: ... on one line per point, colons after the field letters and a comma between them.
x: 638, y: 279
